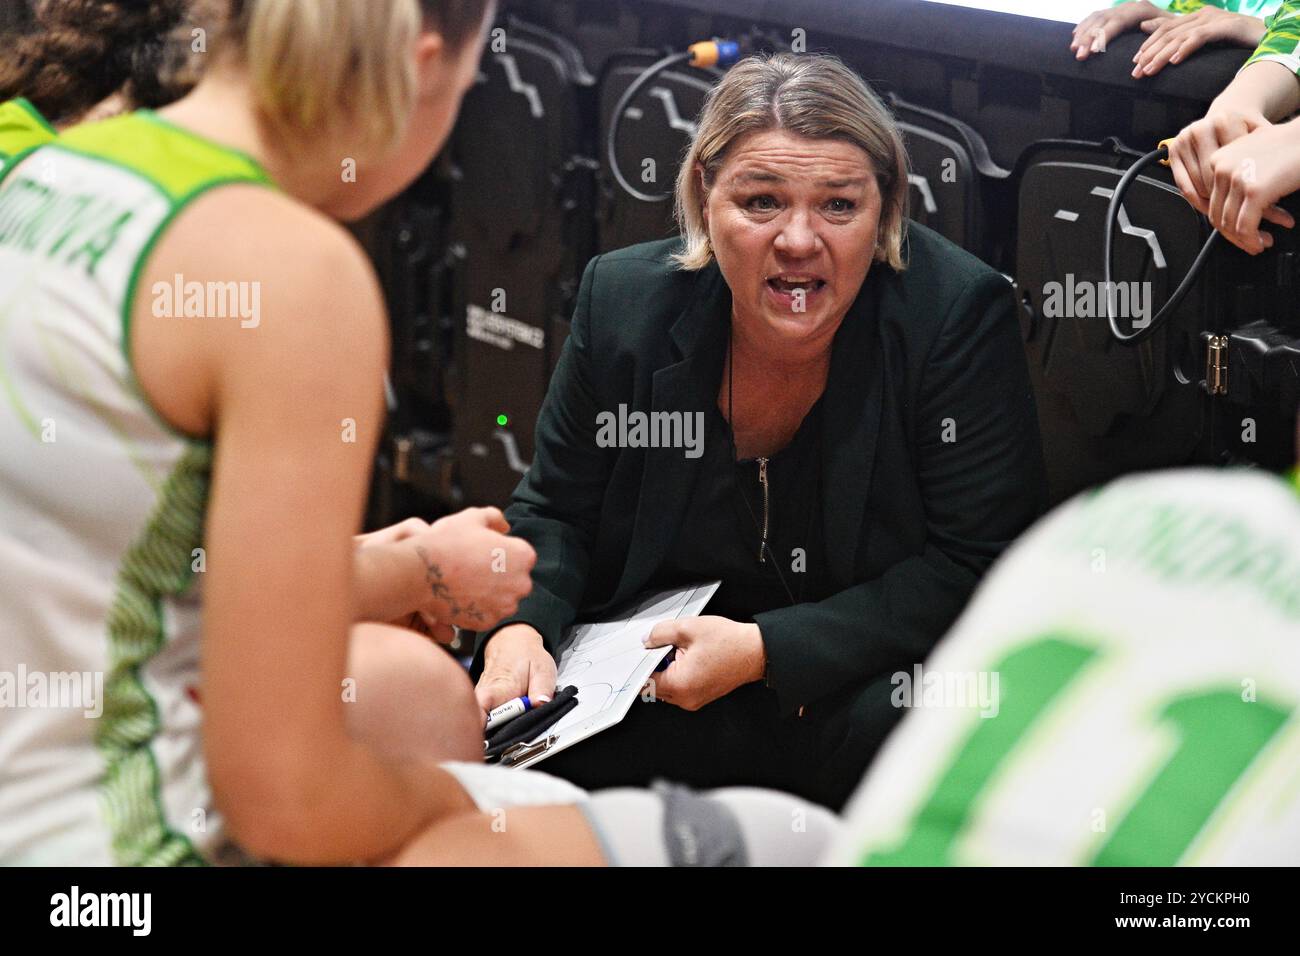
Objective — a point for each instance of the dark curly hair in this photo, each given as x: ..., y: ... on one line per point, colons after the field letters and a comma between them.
x: 77, y: 53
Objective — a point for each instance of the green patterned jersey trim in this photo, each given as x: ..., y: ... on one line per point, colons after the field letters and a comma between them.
x: 181, y: 166
x: 1281, y: 44
x: 1252, y: 8
x: 158, y: 565
x: 22, y: 127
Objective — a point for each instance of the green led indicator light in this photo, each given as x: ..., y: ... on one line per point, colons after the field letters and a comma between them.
x: 502, y: 420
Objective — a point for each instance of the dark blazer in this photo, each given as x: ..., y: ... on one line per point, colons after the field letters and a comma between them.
x: 932, y: 462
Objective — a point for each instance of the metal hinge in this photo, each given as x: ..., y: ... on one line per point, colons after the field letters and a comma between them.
x: 522, y: 752
x: 1216, y: 365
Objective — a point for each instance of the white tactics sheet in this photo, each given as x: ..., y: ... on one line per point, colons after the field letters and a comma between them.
x: 606, y: 661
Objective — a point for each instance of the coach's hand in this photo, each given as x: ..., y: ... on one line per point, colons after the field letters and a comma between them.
x: 715, y: 655
x: 515, y: 663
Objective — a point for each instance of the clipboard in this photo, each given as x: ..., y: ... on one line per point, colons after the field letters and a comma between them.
x: 606, y: 661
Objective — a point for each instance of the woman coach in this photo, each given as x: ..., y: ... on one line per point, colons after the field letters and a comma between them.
x: 870, y: 445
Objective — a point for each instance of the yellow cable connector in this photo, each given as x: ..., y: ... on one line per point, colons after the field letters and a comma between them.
x: 1164, y: 144
x: 704, y: 54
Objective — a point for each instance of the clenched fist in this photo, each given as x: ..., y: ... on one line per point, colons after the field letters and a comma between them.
x: 476, y: 575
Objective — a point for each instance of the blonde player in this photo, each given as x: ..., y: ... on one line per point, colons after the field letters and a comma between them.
x: 182, y: 475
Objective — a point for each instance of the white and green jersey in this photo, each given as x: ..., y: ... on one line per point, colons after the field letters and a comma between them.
x: 1124, y: 689
x: 1281, y: 44
x: 101, y: 511
x: 1251, y: 8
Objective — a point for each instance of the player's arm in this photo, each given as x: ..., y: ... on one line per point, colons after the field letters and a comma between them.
x: 295, y: 407
x: 1249, y: 176
x: 1264, y: 91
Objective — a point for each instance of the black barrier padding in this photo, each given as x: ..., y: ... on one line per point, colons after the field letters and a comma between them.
x: 1106, y: 408
x: 407, y: 240
x: 997, y: 39
x: 513, y: 208
x: 942, y: 185
x: 1010, y: 78
x: 955, y: 186
x: 657, y: 126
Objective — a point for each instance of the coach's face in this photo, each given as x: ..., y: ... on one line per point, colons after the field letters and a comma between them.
x: 793, y: 223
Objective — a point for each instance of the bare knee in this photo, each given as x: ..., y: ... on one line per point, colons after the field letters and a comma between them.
x: 410, y: 697
x: 459, y: 712
x: 514, y: 836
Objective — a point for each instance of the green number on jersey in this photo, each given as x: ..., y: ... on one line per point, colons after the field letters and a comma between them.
x: 1218, y: 739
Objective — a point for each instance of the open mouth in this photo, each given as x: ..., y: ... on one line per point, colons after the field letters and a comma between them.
x: 795, y: 292
x: 789, y: 284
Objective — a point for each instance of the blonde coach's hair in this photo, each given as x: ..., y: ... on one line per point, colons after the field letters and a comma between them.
x: 812, y: 95
x: 336, y: 73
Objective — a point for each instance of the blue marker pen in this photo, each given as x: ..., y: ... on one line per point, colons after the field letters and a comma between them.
x: 507, y: 712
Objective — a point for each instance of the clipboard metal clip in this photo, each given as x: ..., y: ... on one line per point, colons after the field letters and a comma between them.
x: 523, y: 751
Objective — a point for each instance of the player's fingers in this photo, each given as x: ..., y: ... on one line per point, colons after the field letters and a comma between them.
x: 1202, y: 143
x: 1161, y: 57
x: 495, y: 519
x: 1184, y: 183
x: 1145, y: 58
x: 442, y: 633
x: 1157, y: 25
x: 1188, y: 47
x: 1093, y: 40
x: 1230, y: 213
x: 1278, y: 216
x: 1245, y: 225
x: 1102, y: 36
x: 1082, y: 31
x: 1218, y: 199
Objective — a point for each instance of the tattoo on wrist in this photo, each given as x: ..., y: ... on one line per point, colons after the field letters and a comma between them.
x: 440, y: 590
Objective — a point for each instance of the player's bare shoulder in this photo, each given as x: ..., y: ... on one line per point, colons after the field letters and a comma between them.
x: 310, y: 279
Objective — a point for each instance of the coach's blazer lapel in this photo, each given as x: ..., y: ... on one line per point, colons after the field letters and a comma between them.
x: 850, y: 431
x: 699, y: 335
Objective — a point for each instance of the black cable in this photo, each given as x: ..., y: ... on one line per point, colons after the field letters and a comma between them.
x: 650, y: 73
x: 1112, y: 214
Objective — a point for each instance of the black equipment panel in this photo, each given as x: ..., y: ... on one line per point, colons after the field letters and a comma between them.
x: 1107, y: 408
x: 656, y: 131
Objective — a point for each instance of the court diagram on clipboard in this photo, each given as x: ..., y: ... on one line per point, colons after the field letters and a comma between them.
x: 606, y: 661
